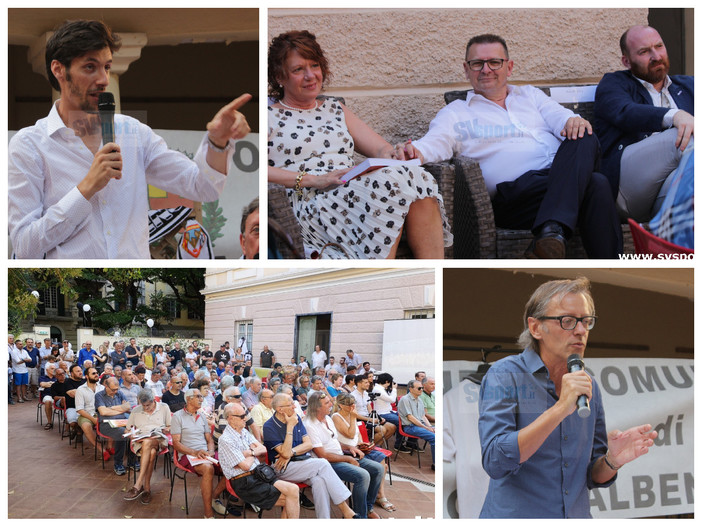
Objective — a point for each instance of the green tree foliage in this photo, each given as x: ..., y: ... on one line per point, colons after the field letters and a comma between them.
x: 113, y: 293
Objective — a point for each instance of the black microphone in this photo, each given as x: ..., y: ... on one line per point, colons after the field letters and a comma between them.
x: 106, y: 110
x: 575, y: 363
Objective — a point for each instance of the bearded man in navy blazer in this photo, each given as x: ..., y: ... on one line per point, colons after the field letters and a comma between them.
x: 644, y: 120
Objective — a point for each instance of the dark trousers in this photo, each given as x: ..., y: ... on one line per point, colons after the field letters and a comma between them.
x: 571, y: 192
x: 119, y: 442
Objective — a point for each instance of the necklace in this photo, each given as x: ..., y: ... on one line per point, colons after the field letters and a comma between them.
x: 298, y: 109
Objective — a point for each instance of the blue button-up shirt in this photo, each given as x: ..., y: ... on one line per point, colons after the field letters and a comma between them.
x: 554, y: 482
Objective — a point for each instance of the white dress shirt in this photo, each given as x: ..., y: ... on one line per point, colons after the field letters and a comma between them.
x: 506, y: 142
x: 662, y: 99
x: 49, y: 216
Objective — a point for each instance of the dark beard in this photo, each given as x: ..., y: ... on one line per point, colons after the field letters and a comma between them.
x: 651, y: 76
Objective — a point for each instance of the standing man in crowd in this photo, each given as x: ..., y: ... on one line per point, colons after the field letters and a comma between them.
x: 539, y: 163
x: 133, y: 352
x: 645, y: 121
x: 529, y: 430
x: 267, y: 357
x: 20, y: 373
x: 319, y: 357
x: 79, y: 189
x: 32, y: 367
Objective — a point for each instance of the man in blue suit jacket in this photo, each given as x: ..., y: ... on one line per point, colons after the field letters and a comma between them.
x: 631, y: 108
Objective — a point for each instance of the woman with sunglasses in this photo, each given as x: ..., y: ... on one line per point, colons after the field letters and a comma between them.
x: 346, y: 423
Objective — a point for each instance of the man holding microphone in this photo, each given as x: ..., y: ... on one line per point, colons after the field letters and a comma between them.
x: 541, y: 455
x: 73, y: 196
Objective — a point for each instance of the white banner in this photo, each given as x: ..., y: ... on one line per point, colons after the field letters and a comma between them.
x: 657, y: 391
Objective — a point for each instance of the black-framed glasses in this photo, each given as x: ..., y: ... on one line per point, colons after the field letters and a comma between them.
x: 243, y: 417
x: 568, y: 323
x: 234, y: 396
x: 493, y: 63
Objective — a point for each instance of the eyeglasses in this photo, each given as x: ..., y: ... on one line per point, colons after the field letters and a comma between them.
x: 177, y: 383
x: 243, y: 417
x: 234, y: 396
x: 420, y: 388
x: 199, y: 396
x: 569, y: 323
x: 493, y: 63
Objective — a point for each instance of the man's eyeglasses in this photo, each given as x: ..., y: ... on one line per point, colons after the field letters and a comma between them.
x: 234, y: 396
x: 243, y: 417
x: 494, y: 64
x: 569, y: 323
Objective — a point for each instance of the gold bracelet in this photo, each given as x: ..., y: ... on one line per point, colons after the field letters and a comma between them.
x: 298, y: 180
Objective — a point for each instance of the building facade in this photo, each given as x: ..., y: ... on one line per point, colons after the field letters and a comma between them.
x: 292, y: 310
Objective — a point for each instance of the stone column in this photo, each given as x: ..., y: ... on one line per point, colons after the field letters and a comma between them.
x: 132, y: 43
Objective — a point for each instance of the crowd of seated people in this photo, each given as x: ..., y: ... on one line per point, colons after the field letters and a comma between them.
x: 200, y: 413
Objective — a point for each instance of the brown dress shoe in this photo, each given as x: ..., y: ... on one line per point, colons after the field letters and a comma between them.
x: 146, y: 497
x: 133, y: 494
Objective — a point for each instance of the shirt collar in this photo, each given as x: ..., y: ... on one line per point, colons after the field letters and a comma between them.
x: 666, y: 84
x: 471, y: 94
x: 533, y: 361
x: 55, y: 122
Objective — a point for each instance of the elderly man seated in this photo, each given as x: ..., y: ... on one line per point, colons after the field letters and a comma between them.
x: 192, y: 439
x: 263, y: 410
x: 413, y: 415
x: 238, y: 450
x: 288, y: 449
x: 253, y: 387
x: 232, y: 396
x: 111, y: 405
x: 348, y: 462
x: 148, y: 417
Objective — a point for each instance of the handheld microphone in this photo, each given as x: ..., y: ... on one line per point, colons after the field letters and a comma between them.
x: 106, y: 110
x: 575, y: 363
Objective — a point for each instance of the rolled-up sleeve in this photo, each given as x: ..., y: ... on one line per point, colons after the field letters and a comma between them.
x: 497, y: 424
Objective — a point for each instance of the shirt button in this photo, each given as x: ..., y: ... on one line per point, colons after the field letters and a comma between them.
x: 566, y: 464
x: 566, y: 492
x: 565, y: 437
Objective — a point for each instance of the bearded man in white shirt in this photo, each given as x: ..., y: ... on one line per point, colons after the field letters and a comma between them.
x: 539, y: 159
x: 81, y: 190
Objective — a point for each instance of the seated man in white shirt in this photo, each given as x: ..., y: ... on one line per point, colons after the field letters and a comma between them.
x: 538, y: 158
x: 69, y: 192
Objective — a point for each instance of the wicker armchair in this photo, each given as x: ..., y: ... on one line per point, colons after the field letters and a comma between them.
x: 473, y: 221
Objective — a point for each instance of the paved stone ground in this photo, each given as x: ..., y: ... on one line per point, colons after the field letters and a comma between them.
x: 49, y: 479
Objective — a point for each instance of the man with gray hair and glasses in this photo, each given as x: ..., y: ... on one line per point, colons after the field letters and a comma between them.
x: 541, y: 455
x: 193, y: 441
x: 288, y: 446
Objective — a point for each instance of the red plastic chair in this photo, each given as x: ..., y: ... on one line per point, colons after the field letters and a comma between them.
x: 386, y: 452
x: 406, y: 435
x: 100, y: 439
x: 647, y: 243
x: 177, y: 465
